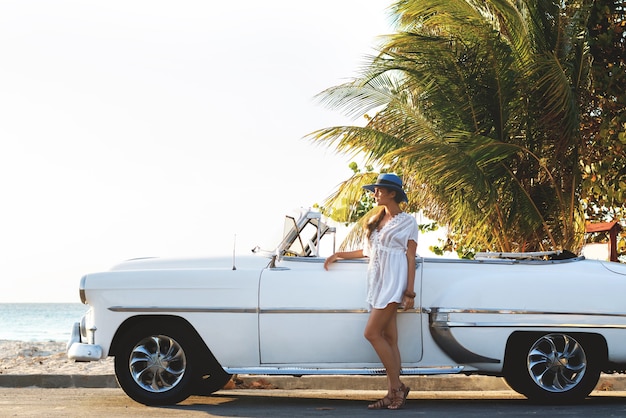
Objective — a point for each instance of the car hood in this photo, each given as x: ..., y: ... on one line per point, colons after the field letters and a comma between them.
x: 221, y: 263
x: 617, y: 268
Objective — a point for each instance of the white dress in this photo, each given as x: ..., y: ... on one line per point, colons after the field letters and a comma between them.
x: 388, y: 268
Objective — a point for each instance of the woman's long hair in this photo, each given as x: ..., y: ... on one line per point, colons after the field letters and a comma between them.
x: 375, y: 220
x: 373, y: 223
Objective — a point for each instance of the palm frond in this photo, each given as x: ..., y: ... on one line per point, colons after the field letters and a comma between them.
x: 478, y: 104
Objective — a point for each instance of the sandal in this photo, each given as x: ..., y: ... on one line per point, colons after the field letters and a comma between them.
x: 399, y: 397
x: 381, y: 403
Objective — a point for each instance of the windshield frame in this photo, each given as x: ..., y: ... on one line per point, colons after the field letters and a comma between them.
x: 296, y: 242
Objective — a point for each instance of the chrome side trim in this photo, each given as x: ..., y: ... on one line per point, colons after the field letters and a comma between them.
x: 301, y: 371
x: 524, y: 312
x: 436, y: 315
x: 180, y: 309
x: 452, y: 324
x: 311, y: 311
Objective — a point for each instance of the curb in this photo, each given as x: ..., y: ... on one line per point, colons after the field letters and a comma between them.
x: 57, y: 381
x: 417, y: 383
x: 445, y: 383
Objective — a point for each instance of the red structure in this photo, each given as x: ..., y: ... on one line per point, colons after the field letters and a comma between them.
x: 612, y: 228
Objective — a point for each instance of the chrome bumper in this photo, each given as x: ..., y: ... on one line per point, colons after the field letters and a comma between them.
x: 79, y: 351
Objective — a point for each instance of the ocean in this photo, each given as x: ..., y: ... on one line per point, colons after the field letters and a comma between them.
x: 39, y: 321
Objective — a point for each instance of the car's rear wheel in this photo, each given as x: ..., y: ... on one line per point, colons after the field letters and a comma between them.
x: 553, y: 367
x: 157, y: 364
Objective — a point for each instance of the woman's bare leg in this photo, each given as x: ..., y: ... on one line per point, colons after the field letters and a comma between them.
x: 391, y: 335
x: 382, y: 332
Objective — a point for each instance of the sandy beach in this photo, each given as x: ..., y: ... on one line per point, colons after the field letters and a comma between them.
x: 49, y: 358
x: 22, y: 357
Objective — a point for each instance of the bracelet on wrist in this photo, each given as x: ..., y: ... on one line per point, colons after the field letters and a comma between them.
x: 410, y: 294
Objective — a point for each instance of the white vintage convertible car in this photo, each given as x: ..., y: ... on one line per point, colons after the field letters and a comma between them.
x: 547, y: 323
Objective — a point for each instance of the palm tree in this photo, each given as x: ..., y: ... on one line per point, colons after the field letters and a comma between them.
x: 477, y: 104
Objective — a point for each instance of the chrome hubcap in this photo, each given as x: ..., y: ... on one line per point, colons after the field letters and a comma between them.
x: 557, y: 362
x: 157, y: 363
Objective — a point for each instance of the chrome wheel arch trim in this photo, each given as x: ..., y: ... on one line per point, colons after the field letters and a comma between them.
x: 457, y: 352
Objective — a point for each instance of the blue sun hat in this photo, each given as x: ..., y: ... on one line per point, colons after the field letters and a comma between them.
x: 388, y: 181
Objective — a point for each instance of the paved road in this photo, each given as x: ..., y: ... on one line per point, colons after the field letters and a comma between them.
x: 36, y: 402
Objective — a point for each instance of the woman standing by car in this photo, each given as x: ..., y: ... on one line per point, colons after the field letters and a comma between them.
x: 391, y: 247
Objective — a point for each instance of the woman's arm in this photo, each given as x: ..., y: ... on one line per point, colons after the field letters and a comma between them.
x: 409, y: 293
x: 343, y: 255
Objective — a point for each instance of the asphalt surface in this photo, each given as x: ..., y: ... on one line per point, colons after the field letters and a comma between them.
x: 345, y: 403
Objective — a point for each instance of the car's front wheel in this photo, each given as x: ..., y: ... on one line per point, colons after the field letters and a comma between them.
x: 157, y: 364
x: 553, y: 367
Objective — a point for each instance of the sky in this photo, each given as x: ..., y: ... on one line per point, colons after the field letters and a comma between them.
x: 142, y: 128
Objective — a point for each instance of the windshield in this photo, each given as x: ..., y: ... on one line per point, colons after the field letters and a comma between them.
x: 296, y: 247
x: 302, y: 236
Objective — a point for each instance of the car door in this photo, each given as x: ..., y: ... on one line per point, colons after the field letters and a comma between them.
x: 308, y: 316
